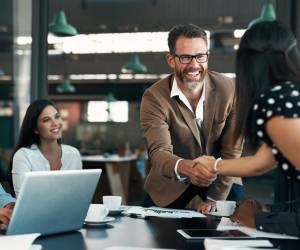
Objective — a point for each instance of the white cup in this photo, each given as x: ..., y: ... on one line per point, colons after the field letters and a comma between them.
x: 112, y: 202
x: 96, y: 212
x: 225, y: 208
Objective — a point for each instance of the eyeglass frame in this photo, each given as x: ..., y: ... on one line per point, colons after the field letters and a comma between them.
x: 191, y: 57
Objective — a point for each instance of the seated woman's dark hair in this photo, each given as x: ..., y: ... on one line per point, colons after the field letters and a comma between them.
x: 27, y: 135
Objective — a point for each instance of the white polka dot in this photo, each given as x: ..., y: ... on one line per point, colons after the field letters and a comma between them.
x: 262, y: 95
x: 281, y: 96
x: 295, y: 115
x: 260, y: 121
x: 288, y: 177
x: 295, y: 93
x: 263, y: 110
x: 278, y: 109
x: 259, y: 133
x: 292, y: 85
x: 271, y: 101
x: 256, y: 106
x: 298, y: 103
x: 276, y: 88
x: 269, y: 113
x: 274, y: 151
x: 260, y: 228
x: 285, y: 166
x: 289, y: 105
x: 298, y: 177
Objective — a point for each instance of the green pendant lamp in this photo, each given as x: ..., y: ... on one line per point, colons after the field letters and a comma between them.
x: 267, y: 14
x: 134, y: 66
x: 66, y: 87
x: 60, y: 26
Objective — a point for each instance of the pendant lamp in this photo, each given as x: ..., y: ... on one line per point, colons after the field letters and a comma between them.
x: 60, y: 26
x: 267, y: 14
x: 134, y: 66
x: 66, y: 87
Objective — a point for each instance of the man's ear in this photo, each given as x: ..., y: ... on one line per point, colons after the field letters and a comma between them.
x: 170, y: 60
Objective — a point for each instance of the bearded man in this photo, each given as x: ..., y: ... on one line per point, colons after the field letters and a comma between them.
x: 188, y: 114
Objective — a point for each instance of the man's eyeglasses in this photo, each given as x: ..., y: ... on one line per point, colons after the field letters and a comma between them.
x: 186, y: 59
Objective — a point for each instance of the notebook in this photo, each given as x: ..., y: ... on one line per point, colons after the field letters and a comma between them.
x: 53, y: 202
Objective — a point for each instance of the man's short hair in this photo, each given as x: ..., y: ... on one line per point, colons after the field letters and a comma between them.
x: 185, y: 30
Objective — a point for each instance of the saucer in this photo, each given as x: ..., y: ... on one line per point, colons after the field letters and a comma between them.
x: 219, y: 214
x: 117, y: 211
x: 99, y: 222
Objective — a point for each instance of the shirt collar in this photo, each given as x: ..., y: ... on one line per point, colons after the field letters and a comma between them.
x: 176, y: 91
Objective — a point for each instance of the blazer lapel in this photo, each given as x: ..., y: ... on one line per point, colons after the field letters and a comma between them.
x: 209, y: 106
x: 189, y: 119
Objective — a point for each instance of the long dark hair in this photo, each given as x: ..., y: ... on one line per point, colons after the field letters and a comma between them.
x: 27, y: 135
x: 260, y: 63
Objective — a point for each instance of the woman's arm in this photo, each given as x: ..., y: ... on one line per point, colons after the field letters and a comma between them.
x: 285, y: 133
x: 263, y: 161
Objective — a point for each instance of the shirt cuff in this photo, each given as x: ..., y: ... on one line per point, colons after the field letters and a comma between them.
x: 179, y: 178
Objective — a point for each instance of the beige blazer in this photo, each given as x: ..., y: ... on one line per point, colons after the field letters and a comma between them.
x: 172, y: 133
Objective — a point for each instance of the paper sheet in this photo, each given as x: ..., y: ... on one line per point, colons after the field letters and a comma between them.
x: 17, y: 242
x: 162, y: 212
x: 227, y: 224
x: 213, y: 244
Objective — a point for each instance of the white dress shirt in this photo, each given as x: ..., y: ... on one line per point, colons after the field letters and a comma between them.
x: 31, y: 159
x: 199, y: 113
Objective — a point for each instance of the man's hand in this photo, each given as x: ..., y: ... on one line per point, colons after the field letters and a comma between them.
x: 207, y: 161
x: 205, y: 207
x: 245, y: 212
x: 5, y: 214
x: 198, y: 174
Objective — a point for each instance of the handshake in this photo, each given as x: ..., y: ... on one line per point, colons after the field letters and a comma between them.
x: 201, y: 171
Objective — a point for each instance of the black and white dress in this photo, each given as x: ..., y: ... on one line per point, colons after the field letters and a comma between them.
x: 280, y: 100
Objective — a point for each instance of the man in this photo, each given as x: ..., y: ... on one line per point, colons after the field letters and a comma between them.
x: 183, y: 116
x: 7, y: 203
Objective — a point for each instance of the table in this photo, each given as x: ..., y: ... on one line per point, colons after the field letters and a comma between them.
x: 126, y: 231
x: 118, y: 172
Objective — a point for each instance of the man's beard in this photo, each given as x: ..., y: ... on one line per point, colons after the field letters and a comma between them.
x: 191, y: 85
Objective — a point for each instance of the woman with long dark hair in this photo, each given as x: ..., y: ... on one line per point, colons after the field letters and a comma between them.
x: 39, y: 147
x: 268, y: 111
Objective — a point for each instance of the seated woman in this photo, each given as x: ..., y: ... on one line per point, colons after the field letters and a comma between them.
x: 268, y: 112
x: 7, y: 203
x: 39, y: 147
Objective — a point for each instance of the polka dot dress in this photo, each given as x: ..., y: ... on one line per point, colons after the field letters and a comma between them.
x: 281, y: 100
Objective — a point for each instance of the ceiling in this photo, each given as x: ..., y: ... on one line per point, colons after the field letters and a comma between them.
x: 111, y: 16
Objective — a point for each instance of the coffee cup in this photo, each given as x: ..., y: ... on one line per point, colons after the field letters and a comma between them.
x: 112, y: 202
x: 225, y: 208
x: 96, y: 212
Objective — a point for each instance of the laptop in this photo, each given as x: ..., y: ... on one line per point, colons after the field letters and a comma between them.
x: 53, y: 202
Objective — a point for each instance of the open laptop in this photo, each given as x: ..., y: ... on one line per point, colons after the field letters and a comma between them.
x: 52, y: 202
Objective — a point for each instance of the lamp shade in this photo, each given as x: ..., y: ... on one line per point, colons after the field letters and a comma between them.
x: 66, y: 87
x: 134, y: 66
x: 60, y: 27
x: 267, y: 14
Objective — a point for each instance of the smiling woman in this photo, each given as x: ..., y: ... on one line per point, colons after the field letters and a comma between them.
x: 39, y: 147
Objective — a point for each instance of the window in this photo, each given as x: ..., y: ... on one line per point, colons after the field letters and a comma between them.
x: 103, y: 111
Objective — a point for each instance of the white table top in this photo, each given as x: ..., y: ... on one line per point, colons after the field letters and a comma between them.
x: 110, y: 158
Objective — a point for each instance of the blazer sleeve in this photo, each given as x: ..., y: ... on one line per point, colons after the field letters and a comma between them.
x: 5, y: 198
x: 156, y: 130
x: 281, y: 222
x: 220, y: 189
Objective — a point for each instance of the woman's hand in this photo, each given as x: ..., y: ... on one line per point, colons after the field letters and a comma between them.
x: 5, y: 214
x: 207, y: 161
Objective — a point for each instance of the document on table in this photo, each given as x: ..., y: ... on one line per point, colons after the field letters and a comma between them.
x: 143, y: 212
x: 212, y: 244
x: 17, y: 242
x: 227, y: 224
